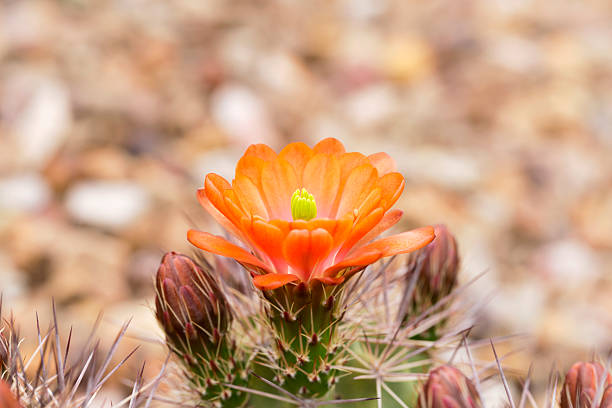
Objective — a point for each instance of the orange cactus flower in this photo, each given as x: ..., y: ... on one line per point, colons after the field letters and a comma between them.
x: 307, y: 214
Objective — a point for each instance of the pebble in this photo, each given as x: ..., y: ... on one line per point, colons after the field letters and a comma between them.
x: 242, y: 115
x: 39, y: 114
x: 568, y: 263
x: 26, y: 192
x: 106, y: 204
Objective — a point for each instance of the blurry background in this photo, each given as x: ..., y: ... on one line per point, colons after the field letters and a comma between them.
x: 499, y: 114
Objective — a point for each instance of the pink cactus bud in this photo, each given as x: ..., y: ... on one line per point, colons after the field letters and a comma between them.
x: 7, y: 398
x: 437, y: 265
x: 189, y: 302
x: 582, y: 382
x: 447, y: 387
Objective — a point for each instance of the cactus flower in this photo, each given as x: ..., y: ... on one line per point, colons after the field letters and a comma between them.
x: 447, y: 387
x: 307, y: 214
x: 581, y: 385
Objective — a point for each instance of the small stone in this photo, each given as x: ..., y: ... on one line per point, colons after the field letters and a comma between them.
x: 39, y: 115
x: 242, y: 115
x: 27, y: 192
x: 106, y: 204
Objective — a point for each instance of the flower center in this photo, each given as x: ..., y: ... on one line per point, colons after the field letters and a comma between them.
x: 303, y: 205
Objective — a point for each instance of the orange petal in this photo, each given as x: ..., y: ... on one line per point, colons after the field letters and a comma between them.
x: 279, y: 182
x: 304, y: 249
x: 219, y: 216
x: 389, y: 219
x: 383, y: 163
x: 329, y: 280
x: 360, y: 229
x: 329, y: 146
x: 401, y: 243
x: 322, y: 180
x: 327, y: 224
x: 296, y: 250
x: 369, y: 204
x: 273, y: 280
x: 397, y: 244
x: 249, y: 196
x: 353, y: 264
x: 220, y: 246
x: 320, y: 245
x: 358, y: 185
x: 214, y: 187
x: 269, y: 238
x: 343, y: 229
x: 251, y: 167
x: 262, y: 151
x: 297, y: 154
x: 392, y: 185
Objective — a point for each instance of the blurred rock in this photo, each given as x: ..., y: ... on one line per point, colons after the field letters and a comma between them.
x: 371, y: 105
x: 593, y: 217
x: 567, y: 263
x: 242, y: 115
x: 106, y: 204
x: 38, y: 113
x: 26, y: 192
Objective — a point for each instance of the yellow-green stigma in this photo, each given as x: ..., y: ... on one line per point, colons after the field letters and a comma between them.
x: 303, y: 205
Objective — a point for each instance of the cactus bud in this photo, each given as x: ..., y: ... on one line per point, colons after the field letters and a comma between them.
x: 189, y: 303
x: 447, y: 387
x: 195, y: 315
x: 437, y: 265
x: 7, y: 398
x: 581, y: 386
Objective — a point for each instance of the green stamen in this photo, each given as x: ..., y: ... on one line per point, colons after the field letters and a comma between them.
x: 303, y: 205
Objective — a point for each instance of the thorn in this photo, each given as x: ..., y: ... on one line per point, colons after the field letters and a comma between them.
x: 190, y: 331
x: 314, y: 340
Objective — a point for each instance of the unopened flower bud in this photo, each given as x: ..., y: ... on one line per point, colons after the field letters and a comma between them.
x: 582, y: 382
x: 447, y: 387
x: 7, y: 398
x: 189, y: 303
x: 437, y: 266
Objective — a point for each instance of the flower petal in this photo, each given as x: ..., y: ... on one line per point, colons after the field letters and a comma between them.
x: 279, y: 182
x: 322, y: 180
x: 401, y: 243
x: 220, y: 246
x: 353, y: 264
x: 251, y: 167
x: 389, y: 219
x: 269, y: 239
x: 358, y: 185
x: 329, y: 146
x: 304, y: 249
x: 262, y: 151
x: 250, y: 196
x: 396, y: 244
x: 273, y: 280
x: 360, y: 229
x: 214, y: 187
x: 392, y: 185
x: 383, y: 163
x: 218, y: 215
x: 297, y: 154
